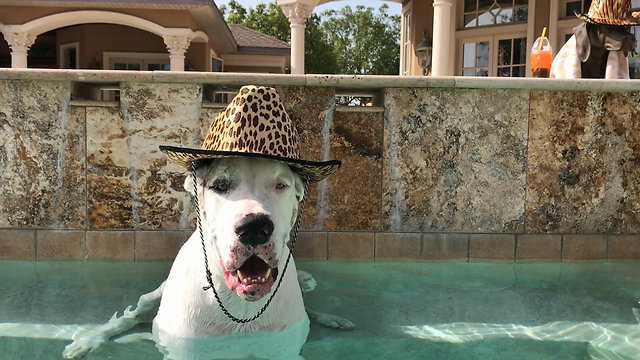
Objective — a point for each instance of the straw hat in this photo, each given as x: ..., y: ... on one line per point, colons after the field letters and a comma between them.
x: 611, y: 12
x: 254, y: 124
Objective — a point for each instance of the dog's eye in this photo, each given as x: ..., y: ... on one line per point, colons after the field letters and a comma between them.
x: 281, y: 185
x: 220, y: 186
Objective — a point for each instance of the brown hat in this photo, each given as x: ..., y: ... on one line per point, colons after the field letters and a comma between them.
x: 253, y: 124
x: 611, y: 12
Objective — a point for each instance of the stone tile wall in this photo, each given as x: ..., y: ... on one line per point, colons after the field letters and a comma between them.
x: 435, y: 174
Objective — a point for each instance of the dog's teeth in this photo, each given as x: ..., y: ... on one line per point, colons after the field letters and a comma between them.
x: 240, y: 276
x: 266, y: 276
x: 254, y: 280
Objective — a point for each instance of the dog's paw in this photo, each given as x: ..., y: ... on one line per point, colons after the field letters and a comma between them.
x: 306, y: 281
x: 334, y: 321
x: 79, y: 348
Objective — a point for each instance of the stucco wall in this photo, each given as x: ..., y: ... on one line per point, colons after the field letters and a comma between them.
x: 508, y: 172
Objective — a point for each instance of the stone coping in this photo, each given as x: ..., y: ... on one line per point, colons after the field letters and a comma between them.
x: 362, y: 82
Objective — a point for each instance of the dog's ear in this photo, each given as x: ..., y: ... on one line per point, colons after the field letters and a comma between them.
x: 299, y: 187
x: 583, y: 44
x: 189, y: 185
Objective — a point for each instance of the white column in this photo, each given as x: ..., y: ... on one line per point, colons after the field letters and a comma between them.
x: 297, y: 15
x: 19, y: 43
x: 441, y: 26
x: 177, y: 46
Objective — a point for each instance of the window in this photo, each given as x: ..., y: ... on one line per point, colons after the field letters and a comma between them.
x: 512, y: 57
x: 407, y: 52
x: 491, y: 37
x: 634, y: 56
x: 153, y: 66
x: 216, y: 64
x: 483, y: 58
x: 126, y: 65
x: 69, y: 56
x: 494, y: 12
x: 130, y: 61
x: 139, y: 64
x: 571, y: 7
x: 475, y: 59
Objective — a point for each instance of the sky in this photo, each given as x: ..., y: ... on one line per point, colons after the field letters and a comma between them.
x: 394, y: 8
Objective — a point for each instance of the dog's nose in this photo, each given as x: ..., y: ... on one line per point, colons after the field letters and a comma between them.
x: 254, y: 229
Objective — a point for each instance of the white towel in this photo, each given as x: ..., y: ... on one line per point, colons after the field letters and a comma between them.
x: 567, y: 65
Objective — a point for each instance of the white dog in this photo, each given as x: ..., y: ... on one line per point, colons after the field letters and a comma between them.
x: 248, y: 207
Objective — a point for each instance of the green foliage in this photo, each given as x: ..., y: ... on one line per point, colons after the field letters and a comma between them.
x: 267, y: 19
x: 365, y: 42
x: 336, y: 42
x: 319, y: 55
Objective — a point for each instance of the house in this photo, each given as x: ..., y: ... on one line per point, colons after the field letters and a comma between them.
x: 473, y: 37
x: 132, y: 35
x: 492, y: 37
x: 470, y: 37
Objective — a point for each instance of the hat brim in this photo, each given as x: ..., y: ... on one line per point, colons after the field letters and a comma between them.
x: 313, y: 170
x: 632, y: 20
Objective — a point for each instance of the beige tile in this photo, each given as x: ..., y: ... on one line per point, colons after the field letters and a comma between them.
x: 397, y: 246
x: 492, y: 246
x: 444, y: 246
x: 625, y: 247
x: 156, y: 245
x: 543, y: 246
x: 584, y: 247
x: 349, y: 245
x: 60, y: 244
x: 110, y: 245
x: 181, y: 236
x: 311, y: 245
x: 17, y: 244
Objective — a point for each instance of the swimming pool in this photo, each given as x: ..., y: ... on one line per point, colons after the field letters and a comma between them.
x: 403, y: 310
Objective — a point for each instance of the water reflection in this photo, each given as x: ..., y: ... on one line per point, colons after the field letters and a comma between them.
x: 607, y: 341
x: 283, y: 345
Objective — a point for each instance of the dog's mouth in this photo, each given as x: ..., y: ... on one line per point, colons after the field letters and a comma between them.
x: 252, y: 280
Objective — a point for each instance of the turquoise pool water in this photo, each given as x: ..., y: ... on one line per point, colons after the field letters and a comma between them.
x: 403, y: 310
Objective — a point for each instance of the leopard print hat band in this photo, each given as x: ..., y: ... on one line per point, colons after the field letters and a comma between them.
x: 611, y: 12
x: 253, y: 124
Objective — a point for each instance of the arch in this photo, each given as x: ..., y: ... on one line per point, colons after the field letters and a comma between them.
x: 56, y: 21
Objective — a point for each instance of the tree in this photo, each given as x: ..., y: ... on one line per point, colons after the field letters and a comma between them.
x: 344, y: 42
x: 365, y: 42
x: 319, y: 55
x: 270, y: 20
x: 267, y: 19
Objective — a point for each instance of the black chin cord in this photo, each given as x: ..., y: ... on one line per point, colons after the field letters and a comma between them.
x: 206, y: 260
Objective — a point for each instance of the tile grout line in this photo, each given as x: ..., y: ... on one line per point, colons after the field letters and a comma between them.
x: 515, y: 248
x: 86, y: 185
x: 468, y: 247
x: 35, y: 245
x: 606, y: 247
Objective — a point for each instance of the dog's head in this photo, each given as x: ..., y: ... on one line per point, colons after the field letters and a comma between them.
x: 248, y: 207
x: 602, y: 37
